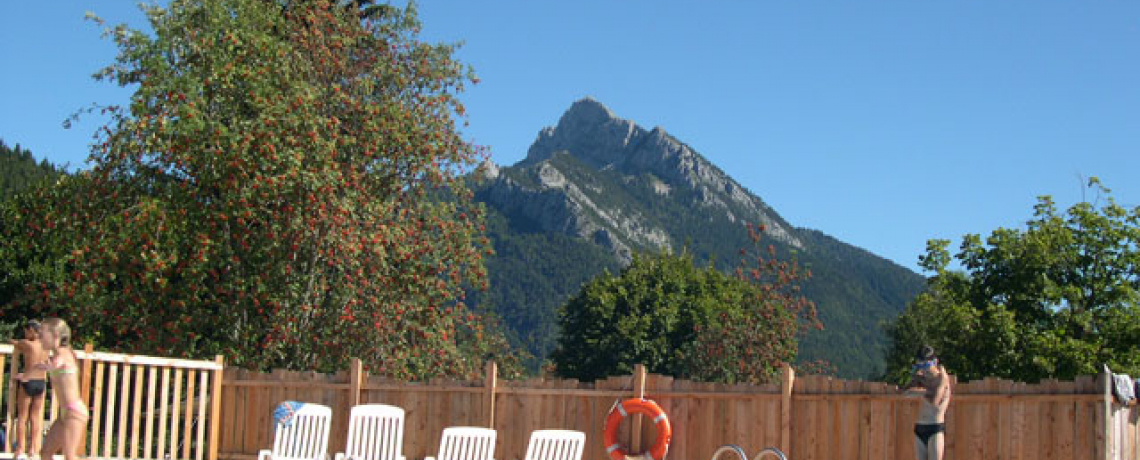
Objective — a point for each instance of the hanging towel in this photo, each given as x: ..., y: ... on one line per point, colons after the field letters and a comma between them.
x: 285, y: 411
x: 1122, y: 386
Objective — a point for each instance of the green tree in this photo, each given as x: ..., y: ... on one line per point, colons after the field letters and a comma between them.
x: 1055, y: 299
x: 19, y: 170
x: 677, y: 319
x: 25, y: 183
x: 284, y: 188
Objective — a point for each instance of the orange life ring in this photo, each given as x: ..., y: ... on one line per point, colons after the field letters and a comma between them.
x: 643, y: 407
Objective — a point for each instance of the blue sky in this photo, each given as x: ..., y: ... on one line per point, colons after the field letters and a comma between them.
x: 883, y: 123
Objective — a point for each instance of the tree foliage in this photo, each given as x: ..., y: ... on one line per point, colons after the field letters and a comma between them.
x: 1055, y: 299
x: 24, y: 183
x: 677, y: 319
x: 284, y: 188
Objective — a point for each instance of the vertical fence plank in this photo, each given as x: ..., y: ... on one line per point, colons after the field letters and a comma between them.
x: 200, y: 446
x: 109, y: 409
x: 136, y: 412
x: 355, y: 381
x: 1085, y: 420
x: 1049, y: 433
x: 151, y: 420
x: 163, y: 411
x: 1064, y: 427
x: 96, y: 411
x: 232, y: 405
x: 124, y: 412
x: 992, y: 425
x: 253, y: 398
x: 1103, y: 413
x: 490, y: 385
x: 176, y: 410
x: 84, y: 389
x: 814, y: 385
x: 10, y: 390
x: 869, y: 430
x: 1004, y: 420
x: 787, y: 380
x: 1024, y: 418
x: 906, y: 416
x: 1033, y: 421
x: 188, y: 422
x: 216, y: 402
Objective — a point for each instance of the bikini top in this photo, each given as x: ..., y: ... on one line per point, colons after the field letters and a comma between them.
x: 63, y: 370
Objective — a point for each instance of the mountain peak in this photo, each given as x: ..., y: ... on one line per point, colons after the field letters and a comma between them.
x: 589, y: 131
x: 587, y: 110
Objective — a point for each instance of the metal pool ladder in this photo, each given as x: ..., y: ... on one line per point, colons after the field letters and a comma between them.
x: 766, y: 452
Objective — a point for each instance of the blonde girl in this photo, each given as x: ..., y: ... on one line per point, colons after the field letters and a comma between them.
x: 62, y: 368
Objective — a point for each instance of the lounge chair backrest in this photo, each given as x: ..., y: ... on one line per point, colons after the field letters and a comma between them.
x: 556, y: 445
x: 467, y: 443
x: 375, y: 432
x: 306, y: 437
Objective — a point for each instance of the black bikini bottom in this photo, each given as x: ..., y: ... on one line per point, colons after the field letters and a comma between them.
x: 34, y: 388
x: 925, y: 430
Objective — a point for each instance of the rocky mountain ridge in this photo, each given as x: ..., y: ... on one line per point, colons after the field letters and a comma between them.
x: 592, y: 134
x: 595, y: 188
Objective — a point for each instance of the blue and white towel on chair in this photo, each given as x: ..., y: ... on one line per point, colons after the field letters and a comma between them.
x: 285, y: 411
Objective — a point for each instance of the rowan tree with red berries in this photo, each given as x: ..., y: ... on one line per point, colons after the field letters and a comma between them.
x: 284, y: 188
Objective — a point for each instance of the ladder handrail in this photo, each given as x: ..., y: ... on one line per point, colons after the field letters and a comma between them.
x: 727, y: 448
x: 770, y: 451
x: 740, y: 452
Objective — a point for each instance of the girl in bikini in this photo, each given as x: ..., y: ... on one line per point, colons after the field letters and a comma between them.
x: 30, y: 402
x: 62, y: 368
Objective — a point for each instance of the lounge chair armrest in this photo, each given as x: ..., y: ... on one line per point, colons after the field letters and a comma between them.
x: 429, y: 458
x: 265, y: 454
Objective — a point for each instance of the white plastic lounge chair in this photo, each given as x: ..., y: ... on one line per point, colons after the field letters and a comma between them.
x: 375, y: 432
x: 466, y: 443
x: 305, y: 438
x: 556, y: 445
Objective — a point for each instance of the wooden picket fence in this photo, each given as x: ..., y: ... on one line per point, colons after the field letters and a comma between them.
x: 147, y: 407
x: 141, y: 407
x: 810, y: 417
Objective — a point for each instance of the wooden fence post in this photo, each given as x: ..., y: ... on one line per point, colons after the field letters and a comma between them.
x: 216, y: 407
x: 787, y: 381
x: 85, y: 386
x: 11, y: 392
x: 491, y: 385
x: 1105, y: 439
x: 638, y: 393
x: 355, y: 381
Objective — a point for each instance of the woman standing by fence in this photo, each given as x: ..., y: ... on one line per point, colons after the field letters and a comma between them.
x: 30, y: 395
x: 63, y: 369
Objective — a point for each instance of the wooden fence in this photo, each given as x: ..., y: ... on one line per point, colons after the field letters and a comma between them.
x: 811, y: 418
x: 141, y: 406
x: 1124, y: 429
